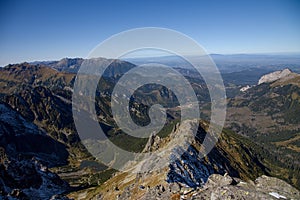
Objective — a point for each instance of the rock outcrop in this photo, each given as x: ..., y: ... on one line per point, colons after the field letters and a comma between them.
x: 244, y: 89
x: 274, y: 76
x: 226, y: 187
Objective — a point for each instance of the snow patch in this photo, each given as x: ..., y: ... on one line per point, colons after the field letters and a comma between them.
x: 277, y: 196
x: 243, y: 89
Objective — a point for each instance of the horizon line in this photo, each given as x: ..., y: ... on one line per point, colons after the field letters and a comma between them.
x: 155, y: 56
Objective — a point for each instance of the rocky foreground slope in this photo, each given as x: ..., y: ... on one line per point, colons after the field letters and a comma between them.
x: 230, y: 170
x: 223, y: 187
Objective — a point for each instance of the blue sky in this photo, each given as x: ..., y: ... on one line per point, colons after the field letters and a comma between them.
x: 50, y: 30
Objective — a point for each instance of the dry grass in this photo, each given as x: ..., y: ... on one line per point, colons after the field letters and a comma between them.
x: 287, y: 143
x: 291, y: 79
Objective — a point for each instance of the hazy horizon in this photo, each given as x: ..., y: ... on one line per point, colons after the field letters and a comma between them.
x: 162, y: 56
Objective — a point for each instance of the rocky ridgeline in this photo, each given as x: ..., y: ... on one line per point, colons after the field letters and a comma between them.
x: 281, y: 75
x: 274, y: 76
x: 189, y: 176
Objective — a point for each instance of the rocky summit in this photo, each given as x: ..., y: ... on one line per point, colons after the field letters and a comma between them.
x: 274, y: 76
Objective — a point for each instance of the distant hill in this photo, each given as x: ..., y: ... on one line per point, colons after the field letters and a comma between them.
x: 228, y: 63
x: 72, y: 65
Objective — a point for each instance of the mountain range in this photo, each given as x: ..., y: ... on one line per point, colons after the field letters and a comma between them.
x: 42, y: 155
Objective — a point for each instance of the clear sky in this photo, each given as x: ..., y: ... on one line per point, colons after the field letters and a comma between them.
x: 50, y: 30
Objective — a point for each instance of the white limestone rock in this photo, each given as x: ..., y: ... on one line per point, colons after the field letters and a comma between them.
x: 274, y: 76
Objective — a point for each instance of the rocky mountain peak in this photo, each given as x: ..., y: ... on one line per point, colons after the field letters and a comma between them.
x: 274, y: 76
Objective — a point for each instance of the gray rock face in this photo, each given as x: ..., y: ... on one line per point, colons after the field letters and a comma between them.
x: 21, y: 137
x: 12, y: 123
x: 220, y: 187
x: 23, y: 171
x: 28, y: 179
x: 274, y: 76
x: 264, y: 187
x: 152, y: 144
x: 192, y: 171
